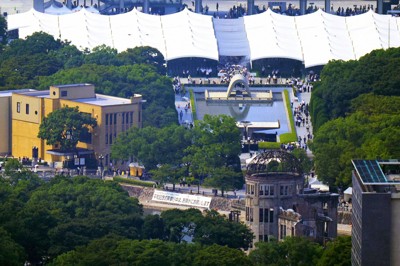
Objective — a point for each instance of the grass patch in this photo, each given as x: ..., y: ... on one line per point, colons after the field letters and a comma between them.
x: 133, y: 181
x: 192, y: 105
x: 269, y: 145
x: 290, y: 113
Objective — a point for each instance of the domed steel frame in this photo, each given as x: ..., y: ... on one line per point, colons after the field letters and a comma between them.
x: 288, y: 163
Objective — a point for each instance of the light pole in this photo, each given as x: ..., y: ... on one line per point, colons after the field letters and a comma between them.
x: 101, y: 157
x: 247, y: 138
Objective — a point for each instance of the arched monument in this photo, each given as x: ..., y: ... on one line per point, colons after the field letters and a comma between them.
x: 237, y: 79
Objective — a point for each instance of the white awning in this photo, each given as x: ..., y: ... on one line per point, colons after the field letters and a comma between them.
x: 313, y: 39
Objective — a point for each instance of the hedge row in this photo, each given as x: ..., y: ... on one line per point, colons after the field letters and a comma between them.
x: 133, y: 181
x: 192, y: 105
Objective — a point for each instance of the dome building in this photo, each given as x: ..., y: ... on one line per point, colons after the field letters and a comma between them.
x: 278, y: 204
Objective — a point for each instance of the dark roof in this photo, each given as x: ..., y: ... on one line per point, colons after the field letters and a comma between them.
x: 371, y: 173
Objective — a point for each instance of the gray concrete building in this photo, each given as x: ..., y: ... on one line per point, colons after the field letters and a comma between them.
x: 376, y: 212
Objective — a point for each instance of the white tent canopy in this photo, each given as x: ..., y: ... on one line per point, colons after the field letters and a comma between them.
x: 314, y: 39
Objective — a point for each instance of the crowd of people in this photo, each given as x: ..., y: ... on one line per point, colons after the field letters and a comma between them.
x: 229, y: 70
x: 341, y: 11
x: 239, y: 11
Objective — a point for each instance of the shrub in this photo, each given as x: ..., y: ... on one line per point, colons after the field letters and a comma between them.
x: 133, y: 181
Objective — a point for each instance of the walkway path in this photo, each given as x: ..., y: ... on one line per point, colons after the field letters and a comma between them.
x: 184, y: 110
x: 302, y: 130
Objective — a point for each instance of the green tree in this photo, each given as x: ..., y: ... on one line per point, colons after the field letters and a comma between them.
x: 69, y: 56
x: 224, y: 178
x: 154, y: 146
x: 337, y: 252
x: 167, y: 173
x: 11, y: 253
x: 367, y: 133
x: 65, y: 127
x: 3, y: 30
x: 220, y: 255
x: 102, y: 55
x: 207, y: 229
x: 214, y: 228
x: 150, y: 252
x: 341, y: 82
x: 295, y: 251
x: 215, y: 152
x: 66, y: 213
x: 143, y: 55
x: 12, y: 166
x: 153, y: 227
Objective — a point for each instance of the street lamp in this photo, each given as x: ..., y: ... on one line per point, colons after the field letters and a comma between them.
x: 101, y: 157
x: 247, y: 138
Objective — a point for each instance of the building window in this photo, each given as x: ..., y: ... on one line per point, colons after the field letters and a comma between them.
x: 106, y: 138
x: 271, y: 215
x: 261, y: 215
x: 18, y: 107
x: 115, y: 119
x: 269, y: 190
x: 64, y: 93
x: 131, y: 117
x: 106, y: 119
x: 27, y: 108
x: 284, y: 190
x: 127, y: 118
x: 283, y: 231
x: 123, y: 118
x: 139, y: 116
x: 111, y: 139
x: 111, y: 119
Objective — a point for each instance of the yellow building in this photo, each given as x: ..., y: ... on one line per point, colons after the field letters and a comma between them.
x: 113, y: 114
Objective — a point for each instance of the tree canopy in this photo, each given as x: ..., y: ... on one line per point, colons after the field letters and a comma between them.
x: 210, y: 150
x: 40, y: 61
x: 115, y: 251
x: 354, y: 110
x: 3, y: 30
x: 66, y: 126
x: 296, y: 251
x: 341, y: 82
x: 370, y: 131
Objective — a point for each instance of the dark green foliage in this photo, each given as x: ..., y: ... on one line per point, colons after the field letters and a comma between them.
x: 52, y: 218
x: 3, y: 31
x: 152, y: 146
x: 11, y: 253
x: 214, y: 153
x: 370, y: 132
x: 341, y: 82
x: 294, y: 251
x: 41, y: 61
x: 143, y: 55
x: 337, y: 252
x: 65, y: 127
x: 113, y: 251
x: 207, y: 229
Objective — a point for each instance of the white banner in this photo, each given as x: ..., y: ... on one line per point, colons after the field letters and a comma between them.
x: 181, y: 199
